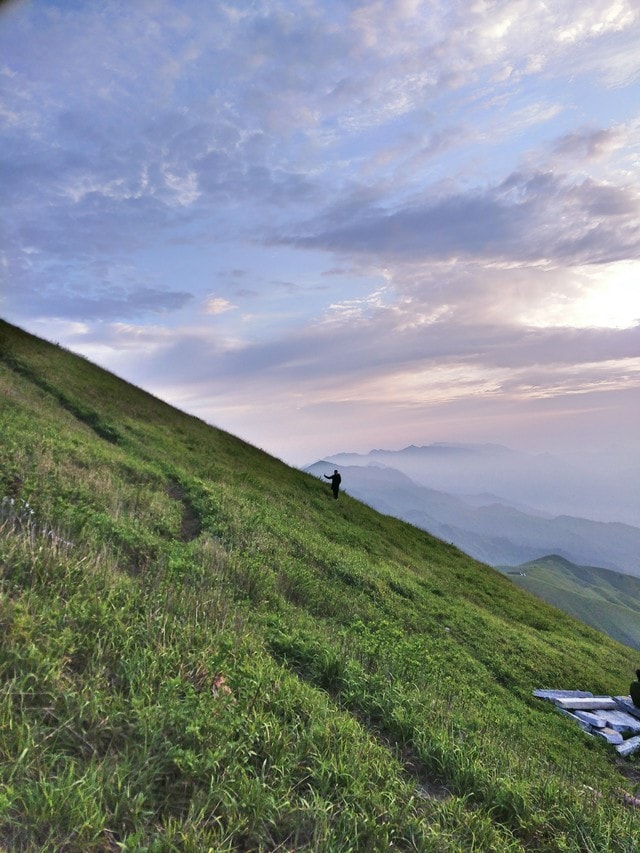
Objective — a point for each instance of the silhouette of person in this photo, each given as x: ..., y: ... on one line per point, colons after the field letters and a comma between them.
x: 336, y: 479
x: 634, y: 690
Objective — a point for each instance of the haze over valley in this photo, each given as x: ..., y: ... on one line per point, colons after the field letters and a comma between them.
x: 503, y: 506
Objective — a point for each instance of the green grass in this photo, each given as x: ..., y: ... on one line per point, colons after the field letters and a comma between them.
x: 203, y: 651
x: 604, y: 599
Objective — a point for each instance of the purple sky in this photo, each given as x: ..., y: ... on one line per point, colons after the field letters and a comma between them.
x: 334, y: 226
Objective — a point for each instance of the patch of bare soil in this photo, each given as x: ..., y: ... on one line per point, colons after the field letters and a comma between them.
x: 190, y: 526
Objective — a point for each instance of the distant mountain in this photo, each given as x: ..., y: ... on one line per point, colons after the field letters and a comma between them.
x: 487, y: 527
x: 606, y: 600
x: 602, y: 487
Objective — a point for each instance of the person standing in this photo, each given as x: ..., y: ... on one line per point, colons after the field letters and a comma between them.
x: 634, y: 690
x: 336, y: 479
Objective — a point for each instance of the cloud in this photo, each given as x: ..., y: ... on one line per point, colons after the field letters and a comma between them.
x: 101, y: 304
x: 120, y: 137
x: 376, y: 379
x: 589, y: 143
x: 527, y: 218
x: 44, y: 287
x: 379, y: 346
x: 217, y: 305
x: 409, y: 201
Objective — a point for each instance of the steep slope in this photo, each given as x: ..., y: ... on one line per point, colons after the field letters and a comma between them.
x: 609, y: 601
x: 202, y: 650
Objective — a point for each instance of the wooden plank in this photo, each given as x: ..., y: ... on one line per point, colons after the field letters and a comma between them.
x: 595, y: 703
x: 620, y: 721
x: 628, y: 747
x: 625, y: 704
x: 609, y: 735
x: 586, y: 727
x: 561, y: 694
x: 590, y: 718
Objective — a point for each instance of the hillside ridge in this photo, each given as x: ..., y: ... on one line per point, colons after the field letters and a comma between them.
x: 203, y: 650
x: 605, y: 599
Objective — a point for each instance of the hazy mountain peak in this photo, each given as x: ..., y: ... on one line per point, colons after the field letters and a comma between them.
x: 546, y: 484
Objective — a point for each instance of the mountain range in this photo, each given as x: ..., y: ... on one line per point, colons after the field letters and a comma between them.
x: 603, y: 486
x: 491, y: 527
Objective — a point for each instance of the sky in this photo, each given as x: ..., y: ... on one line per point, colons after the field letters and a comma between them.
x: 335, y: 226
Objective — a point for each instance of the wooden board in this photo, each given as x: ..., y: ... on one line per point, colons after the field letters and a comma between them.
x: 625, y: 704
x: 595, y: 703
x: 629, y: 746
x: 561, y: 694
x: 591, y: 719
x: 609, y: 735
x: 620, y: 721
x: 611, y: 718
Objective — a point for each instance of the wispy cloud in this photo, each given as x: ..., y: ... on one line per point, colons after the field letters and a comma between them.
x: 360, y: 213
x: 217, y: 305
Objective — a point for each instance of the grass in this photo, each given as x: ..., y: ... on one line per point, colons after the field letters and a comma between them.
x: 604, y: 599
x: 203, y: 651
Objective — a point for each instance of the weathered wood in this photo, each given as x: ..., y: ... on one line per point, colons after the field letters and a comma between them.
x: 609, y: 735
x: 561, y: 694
x: 590, y: 718
x: 595, y: 703
x: 586, y: 727
x: 607, y: 717
x: 628, y: 747
x: 625, y: 704
x: 620, y: 721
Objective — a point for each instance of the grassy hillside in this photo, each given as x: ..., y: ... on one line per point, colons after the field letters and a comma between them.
x: 606, y: 600
x: 203, y: 651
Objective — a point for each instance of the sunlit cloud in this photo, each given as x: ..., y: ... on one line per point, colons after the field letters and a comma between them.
x: 217, y: 305
x: 364, y: 220
x: 605, y: 296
